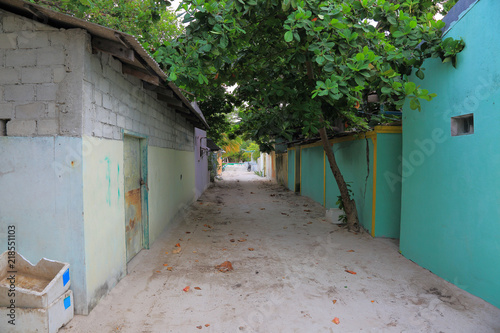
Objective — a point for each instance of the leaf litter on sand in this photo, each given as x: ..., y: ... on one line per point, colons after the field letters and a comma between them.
x: 226, y: 266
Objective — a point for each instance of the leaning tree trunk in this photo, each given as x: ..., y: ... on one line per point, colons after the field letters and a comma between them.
x: 349, y: 204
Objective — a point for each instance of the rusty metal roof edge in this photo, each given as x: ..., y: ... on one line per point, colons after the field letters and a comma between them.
x: 52, y: 18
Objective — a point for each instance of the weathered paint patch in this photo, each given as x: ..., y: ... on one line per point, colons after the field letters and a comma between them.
x: 108, y: 180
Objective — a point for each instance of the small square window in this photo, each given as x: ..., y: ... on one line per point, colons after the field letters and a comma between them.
x: 462, y: 125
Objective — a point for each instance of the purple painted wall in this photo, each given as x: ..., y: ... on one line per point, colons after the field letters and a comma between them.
x: 201, y: 161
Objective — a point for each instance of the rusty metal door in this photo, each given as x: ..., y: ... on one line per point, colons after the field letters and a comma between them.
x: 133, y: 200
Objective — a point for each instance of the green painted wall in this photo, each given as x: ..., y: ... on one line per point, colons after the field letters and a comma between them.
x: 169, y: 194
x: 104, y: 216
x: 450, y: 192
x: 312, y: 181
x: 352, y: 160
x: 388, y: 212
x: 291, y: 169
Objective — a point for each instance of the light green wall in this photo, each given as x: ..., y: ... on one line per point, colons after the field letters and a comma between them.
x: 291, y: 169
x: 168, y: 193
x: 312, y: 180
x: 104, y: 215
x: 388, y: 212
x: 351, y: 158
x: 450, y: 197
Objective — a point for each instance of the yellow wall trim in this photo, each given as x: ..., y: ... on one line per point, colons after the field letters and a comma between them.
x: 374, y: 195
x: 389, y: 129
x: 356, y: 136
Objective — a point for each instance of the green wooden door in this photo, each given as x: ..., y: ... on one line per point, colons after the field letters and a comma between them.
x: 133, y: 200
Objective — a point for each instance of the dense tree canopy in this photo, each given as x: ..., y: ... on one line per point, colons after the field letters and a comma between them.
x: 302, y: 66
x: 150, y: 21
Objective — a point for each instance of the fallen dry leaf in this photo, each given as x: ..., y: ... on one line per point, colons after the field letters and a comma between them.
x: 169, y: 268
x: 177, y: 250
x: 262, y: 209
x: 158, y: 272
x: 350, y: 251
x: 225, y: 267
x: 307, y: 210
x: 206, y: 325
x: 165, y: 264
x: 336, y: 320
x: 242, y: 240
x: 186, y: 289
x: 350, y: 272
x: 232, y: 240
x: 250, y: 249
x: 272, y: 195
x: 180, y: 239
x: 252, y: 193
x: 197, y: 288
x: 373, y: 301
x: 195, y: 251
x: 285, y: 227
x: 207, y: 226
x: 196, y: 261
x: 199, y: 327
x: 188, y: 232
x: 177, y: 245
x: 285, y: 214
x: 334, y: 301
x: 166, y: 252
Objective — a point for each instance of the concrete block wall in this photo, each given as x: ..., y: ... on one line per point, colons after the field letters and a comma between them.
x: 114, y: 101
x: 39, y: 82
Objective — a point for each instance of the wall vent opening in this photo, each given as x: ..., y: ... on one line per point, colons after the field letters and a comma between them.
x: 462, y: 125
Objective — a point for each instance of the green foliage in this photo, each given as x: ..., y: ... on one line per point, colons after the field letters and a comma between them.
x: 449, y: 50
x: 301, y: 65
x: 148, y: 20
x: 216, y: 108
x: 340, y: 204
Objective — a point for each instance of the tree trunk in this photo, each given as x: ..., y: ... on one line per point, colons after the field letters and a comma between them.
x: 349, y: 204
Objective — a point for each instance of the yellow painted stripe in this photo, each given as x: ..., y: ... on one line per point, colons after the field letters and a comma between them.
x: 388, y: 129
x: 374, y: 194
x: 300, y: 178
x: 359, y: 136
x: 324, y: 179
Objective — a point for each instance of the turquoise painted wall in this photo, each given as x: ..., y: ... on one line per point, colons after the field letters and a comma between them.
x: 312, y: 180
x: 291, y: 169
x: 388, y: 205
x: 450, y: 185
x: 41, y: 182
x: 352, y: 161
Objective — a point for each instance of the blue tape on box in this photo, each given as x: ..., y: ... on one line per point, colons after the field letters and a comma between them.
x: 67, y: 302
x: 66, y: 277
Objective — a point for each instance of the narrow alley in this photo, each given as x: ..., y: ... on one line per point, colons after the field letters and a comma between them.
x: 292, y: 272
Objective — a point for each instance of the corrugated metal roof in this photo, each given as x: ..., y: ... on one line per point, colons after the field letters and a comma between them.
x: 59, y: 20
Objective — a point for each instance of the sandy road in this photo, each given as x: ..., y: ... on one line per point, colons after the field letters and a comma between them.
x: 289, y: 275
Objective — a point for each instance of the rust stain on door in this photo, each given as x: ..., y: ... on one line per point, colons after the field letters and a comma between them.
x: 133, y: 210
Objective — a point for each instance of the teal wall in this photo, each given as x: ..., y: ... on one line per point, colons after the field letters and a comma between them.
x: 352, y: 161
x: 312, y: 181
x: 291, y: 169
x: 450, y: 185
x: 388, y: 212
x: 356, y: 162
